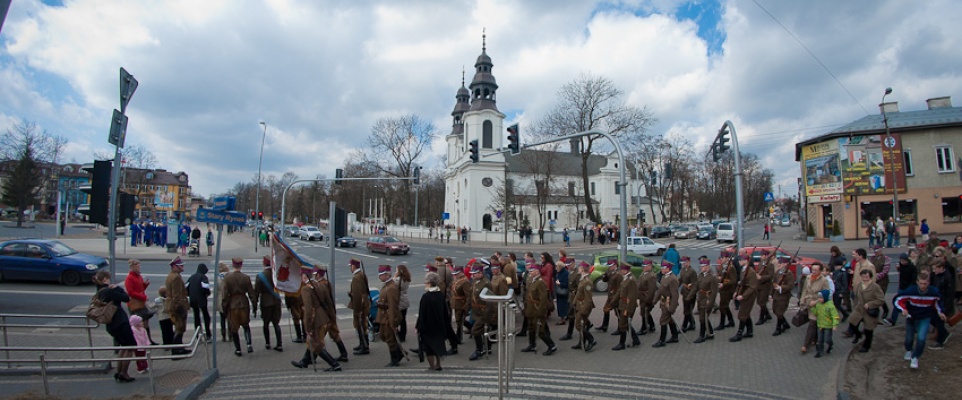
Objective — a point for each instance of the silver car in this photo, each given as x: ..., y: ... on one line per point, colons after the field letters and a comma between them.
x: 310, y: 233
x: 686, y: 231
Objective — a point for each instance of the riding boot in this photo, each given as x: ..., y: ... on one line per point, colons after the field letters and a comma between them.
x: 721, y: 321
x: 621, y: 341
x: 778, y: 328
x: 858, y: 336
x: 342, y: 350
x: 634, y: 337
x: 749, y: 329
x: 661, y: 339
x: 589, y: 340
x: 867, y: 344
x: 644, y: 326
x: 532, y: 345
x: 277, y: 332
x: 236, y: 337
x: 304, y: 361
x: 731, y: 319
x: 738, y: 335
x: 674, y: 332
x: 711, y: 331
x: 395, y: 359
x: 604, y: 322
x: 785, y: 325
x: 247, y: 337
x: 524, y: 328
x: 300, y: 335
x: 360, y: 341
x: 334, y: 366
x: 651, y: 324
x: 478, y: 348
x: 571, y: 329
x: 267, y: 335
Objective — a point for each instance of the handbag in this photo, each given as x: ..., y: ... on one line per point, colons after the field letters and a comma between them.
x: 100, y: 311
x: 560, y: 291
x: 800, y: 318
x: 873, y: 312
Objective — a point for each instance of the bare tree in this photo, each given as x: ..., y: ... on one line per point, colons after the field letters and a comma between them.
x: 29, y: 154
x: 593, y: 102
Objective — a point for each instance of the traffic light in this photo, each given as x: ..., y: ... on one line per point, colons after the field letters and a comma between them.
x: 338, y: 176
x: 260, y: 215
x: 722, y: 139
x: 417, y: 175
x: 473, y: 149
x: 98, y: 190
x: 127, y: 205
x: 514, y: 139
x: 654, y: 178
x: 667, y: 174
x: 253, y: 216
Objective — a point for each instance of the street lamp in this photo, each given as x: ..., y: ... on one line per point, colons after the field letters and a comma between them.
x: 257, y: 197
x: 890, y: 143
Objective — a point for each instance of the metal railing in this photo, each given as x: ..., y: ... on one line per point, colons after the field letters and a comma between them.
x: 44, y: 361
x: 504, y: 336
x: 86, y: 326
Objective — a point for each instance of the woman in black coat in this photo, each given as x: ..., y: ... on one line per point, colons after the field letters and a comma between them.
x: 431, y: 324
x: 119, y: 326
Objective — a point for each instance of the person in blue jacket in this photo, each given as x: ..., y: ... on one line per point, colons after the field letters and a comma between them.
x: 671, y: 255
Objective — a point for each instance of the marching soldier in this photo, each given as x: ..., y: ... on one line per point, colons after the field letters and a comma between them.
x: 333, y: 332
x: 319, y: 316
x: 360, y: 302
x: 389, y: 314
x: 582, y: 306
x: 177, y: 302
x: 238, y: 294
x: 707, y: 287
x: 296, y: 307
x: 647, y: 287
x: 614, y: 282
x: 270, y: 302
x: 574, y: 279
x: 668, y: 297
x: 627, y: 301
x: 480, y: 311
x: 499, y: 283
x: 746, y: 292
x: 727, y: 279
x: 460, y: 291
x: 536, y: 309
x: 766, y: 272
x: 782, y: 294
x: 687, y: 279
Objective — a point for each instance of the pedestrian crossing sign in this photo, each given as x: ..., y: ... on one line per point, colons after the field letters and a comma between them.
x: 769, y: 197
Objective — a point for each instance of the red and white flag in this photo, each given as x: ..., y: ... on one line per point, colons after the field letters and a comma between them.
x: 287, y: 265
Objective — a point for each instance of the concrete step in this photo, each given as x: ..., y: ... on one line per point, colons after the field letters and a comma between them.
x: 476, y: 382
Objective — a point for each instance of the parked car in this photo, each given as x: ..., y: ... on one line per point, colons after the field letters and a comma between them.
x: 659, y: 232
x: 345, y: 241
x: 756, y: 252
x: 706, y: 233
x: 686, y: 231
x: 786, y: 221
x: 726, y: 232
x: 310, y: 233
x: 388, y: 245
x: 47, y: 260
x: 600, y: 266
x: 645, y: 246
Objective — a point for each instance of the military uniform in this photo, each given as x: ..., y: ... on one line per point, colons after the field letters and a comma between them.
x: 536, y: 310
x: 667, y: 296
x: 766, y: 272
x: 177, y: 302
x: 333, y: 331
x: 481, y: 313
x: 707, y: 290
x: 389, y: 316
x: 574, y: 278
x: 748, y: 291
x: 582, y: 306
x: 460, y: 291
x: 727, y: 280
x: 319, y: 315
x: 270, y: 305
x: 238, y: 294
x: 784, y: 282
x: 296, y: 307
x: 647, y: 287
x: 687, y: 279
x: 360, y: 303
x: 627, y: 301
x: 614, y: 282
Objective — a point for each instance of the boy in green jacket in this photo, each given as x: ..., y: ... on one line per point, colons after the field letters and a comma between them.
x: 827, y: 320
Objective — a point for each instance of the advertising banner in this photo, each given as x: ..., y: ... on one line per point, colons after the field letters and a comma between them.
x: 866, y: 166
x: 822, y: 174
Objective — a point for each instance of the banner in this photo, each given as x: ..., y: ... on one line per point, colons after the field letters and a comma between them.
x: 286, y: 265
x: 867, y: 167
x: 822, y: 174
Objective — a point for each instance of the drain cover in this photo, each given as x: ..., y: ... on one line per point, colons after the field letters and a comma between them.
x: 178, y: 379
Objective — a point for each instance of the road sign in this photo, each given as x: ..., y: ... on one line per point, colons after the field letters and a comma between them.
x: 498, y: 213
x: 118, y: 129
x: 221, y: 217
x: 890, y: 142
x: 128, y: 85
x: 225, y: 203
x: 445, y: 216
x: 769, y: 197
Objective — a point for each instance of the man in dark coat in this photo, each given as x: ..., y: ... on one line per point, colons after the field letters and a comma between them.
x: 433, y: 321
x: 270, y: 302
x: 198, y: 289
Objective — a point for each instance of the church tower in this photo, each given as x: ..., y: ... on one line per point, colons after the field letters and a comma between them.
x: 470, y: 188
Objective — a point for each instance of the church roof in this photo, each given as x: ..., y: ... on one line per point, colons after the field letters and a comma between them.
x: 552, y: 199
x: 567, y: 163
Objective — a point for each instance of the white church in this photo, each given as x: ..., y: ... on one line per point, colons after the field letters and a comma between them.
x: 471, y: 189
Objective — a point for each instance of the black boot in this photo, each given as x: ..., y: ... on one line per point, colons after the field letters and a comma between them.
x: 277, y: 332
x: 589, y: 341
x: 867, y: 344
x: 651, y: 324
x: 762, y: 316
x: 236, y: 338
x: 604, y: 323
x: 731, y: 319
x: 644, y: 326
x: 364, y: 347
x: 524, y: 328
x: 785, y: 325
x: 674, y: 332
x: 304, y: 361
x: 661, y: 339
x: 396, y: 357
x: 267, y: 335
x: 571, y: 329
x: 247, y: 337
x: 621, y: 342
x: 778, y: 328
x: 550, y: 343
x: 711, y: 331
x: 334, y: 366
x: 701, y: 334
x: 738, y: 335
x: 532, y: 346
x: 478, y: 348
x: 635, y: 342
x: 360, y: 342
x: 749, y: 329
x: 342, y: 350
x: 299, y: 332
x: 721, y: 321
x: 858, y: 336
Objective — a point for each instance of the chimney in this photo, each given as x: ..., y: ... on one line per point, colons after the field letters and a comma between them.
x: 575, y: 146
x: 890, y: 107
x: 939, y: 102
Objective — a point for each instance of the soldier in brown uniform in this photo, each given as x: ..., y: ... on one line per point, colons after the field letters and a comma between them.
x: 270, y: 303
x: 667, y: 296
x: 389, y: 314
x: 687, y: 278
x: 766, y: 272
x: 627, y: 301
x: 238, y: 294
x: 613, y: 278
x: 574, y: 278
x: 360, y: 302
x: 647, y: 287
x: 746, y: 292
x: 319, y: 315
x: 333, y: 332
x: 499, y: 283
x: 582, y: 305
x: 727, y: 279
x: 480, y: 311
x: 536, y: 309
x: 707, y: 290
x: 784, y: 282
x: 460, y: 291
x: 296, y: 307
x: 177, y: 302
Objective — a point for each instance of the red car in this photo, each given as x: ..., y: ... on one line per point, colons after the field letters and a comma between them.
x: 757, y: 255
x: 388, y: 245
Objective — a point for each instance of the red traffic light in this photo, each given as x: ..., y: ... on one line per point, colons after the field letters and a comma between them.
x: 260, y: 215
x: 253, y: 215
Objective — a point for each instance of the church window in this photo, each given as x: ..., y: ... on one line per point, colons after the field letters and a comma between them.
x: 592, y: 188
x: 487, y: 134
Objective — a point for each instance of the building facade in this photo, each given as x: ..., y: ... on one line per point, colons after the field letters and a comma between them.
x: 853, y: 174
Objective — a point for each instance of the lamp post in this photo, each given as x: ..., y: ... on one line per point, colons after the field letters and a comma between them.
x: 890, y: 143
x: 257, y: 197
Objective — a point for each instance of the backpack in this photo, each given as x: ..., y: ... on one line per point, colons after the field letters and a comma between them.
x: 100, y: 311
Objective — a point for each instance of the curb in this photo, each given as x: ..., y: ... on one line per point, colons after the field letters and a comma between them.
x: 841, y: 394
x: 194, y: 390
x: 103, y: 368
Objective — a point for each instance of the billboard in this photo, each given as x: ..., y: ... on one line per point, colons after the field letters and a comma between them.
x: 866, y: 166
x: 822, y: 174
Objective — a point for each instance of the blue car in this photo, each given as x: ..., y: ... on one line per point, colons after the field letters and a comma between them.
x: 47, y: 260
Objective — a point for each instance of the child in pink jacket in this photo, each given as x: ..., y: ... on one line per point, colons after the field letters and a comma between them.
x: 143, y: 341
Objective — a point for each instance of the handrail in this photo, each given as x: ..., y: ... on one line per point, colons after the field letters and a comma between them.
x: 4, y: 325
x: 505, y: 336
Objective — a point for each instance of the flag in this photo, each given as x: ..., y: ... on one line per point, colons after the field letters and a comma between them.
x: 286, y: 265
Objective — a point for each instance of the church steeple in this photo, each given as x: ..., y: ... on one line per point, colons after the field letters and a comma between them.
x: 460, y: 107
x: 483, y: 86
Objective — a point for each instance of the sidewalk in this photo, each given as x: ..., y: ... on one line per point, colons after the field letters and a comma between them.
x: 238, y: 244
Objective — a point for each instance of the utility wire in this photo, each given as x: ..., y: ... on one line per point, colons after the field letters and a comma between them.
x: 813, y: 56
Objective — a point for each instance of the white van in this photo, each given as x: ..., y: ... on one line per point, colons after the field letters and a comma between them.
x: 726, y: 232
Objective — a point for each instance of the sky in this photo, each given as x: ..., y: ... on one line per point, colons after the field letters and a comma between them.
x: 319, y: 73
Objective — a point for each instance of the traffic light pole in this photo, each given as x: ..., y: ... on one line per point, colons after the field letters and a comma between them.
x: 128, y: 85
x: 718, y: 147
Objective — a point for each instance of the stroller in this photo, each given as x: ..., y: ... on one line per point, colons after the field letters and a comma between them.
x: 194, y: 249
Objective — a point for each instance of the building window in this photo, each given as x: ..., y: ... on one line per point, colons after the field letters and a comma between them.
x: 943, y: 159
x: 486, y: 134
x: 907, y: 163
x: 908, y: 211
x: 952, y: 209
x: 617, y: 189
x: 592, y: 188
